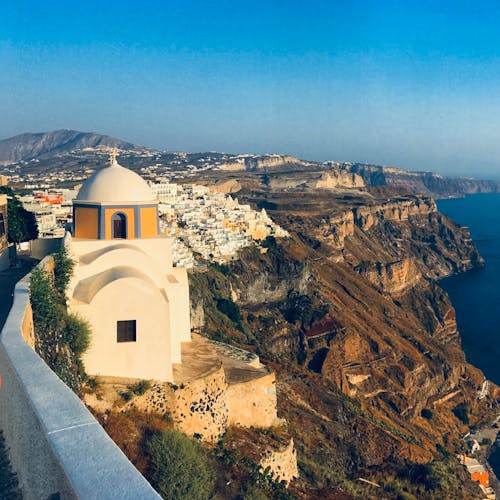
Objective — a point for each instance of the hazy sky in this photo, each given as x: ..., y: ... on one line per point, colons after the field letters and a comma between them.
x: 403, y: 83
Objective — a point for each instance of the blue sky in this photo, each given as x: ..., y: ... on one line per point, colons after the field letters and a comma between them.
x: 402, y: 83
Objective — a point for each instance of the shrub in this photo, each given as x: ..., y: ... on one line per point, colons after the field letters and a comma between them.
x: 42, y: 300
x: 76, y: 333
x: 63, y: 270
x: 127, y: 395
x: 140, y: 387
x: 179, y: 467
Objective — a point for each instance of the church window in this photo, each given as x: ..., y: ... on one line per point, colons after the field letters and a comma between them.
x: 126, y: 331
x: 119, y: 223
x: 2, y: 225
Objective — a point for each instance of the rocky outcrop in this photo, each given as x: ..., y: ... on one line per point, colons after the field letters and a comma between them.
x: 338, y: 228
x: 393, y: 210
x: 271, y: 161
x: 340, y: 179
x: 226, y: 187
x: 393, y: 277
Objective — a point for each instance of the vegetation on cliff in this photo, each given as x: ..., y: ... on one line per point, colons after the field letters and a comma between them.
x: 61, y: 337
x: 178, y: 466
x: 182, y: 467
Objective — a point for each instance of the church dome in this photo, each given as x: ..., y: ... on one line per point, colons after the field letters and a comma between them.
x: 115, y: 184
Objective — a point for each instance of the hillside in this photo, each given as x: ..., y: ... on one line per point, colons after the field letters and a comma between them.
x: 371, y: 374
x: 43, y: 144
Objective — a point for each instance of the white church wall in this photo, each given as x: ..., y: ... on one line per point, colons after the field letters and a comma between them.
x: 149, y: 357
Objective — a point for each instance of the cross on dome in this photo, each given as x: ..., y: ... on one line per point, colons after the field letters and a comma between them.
x: 112, y: 156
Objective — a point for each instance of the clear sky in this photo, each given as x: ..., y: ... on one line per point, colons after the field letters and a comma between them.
x: 414, y: 84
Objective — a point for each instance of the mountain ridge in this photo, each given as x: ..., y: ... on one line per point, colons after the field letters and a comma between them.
x: 40, y: 144
x: 71, y: 150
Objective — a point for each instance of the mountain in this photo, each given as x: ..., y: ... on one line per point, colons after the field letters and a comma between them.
x: 43, y: 144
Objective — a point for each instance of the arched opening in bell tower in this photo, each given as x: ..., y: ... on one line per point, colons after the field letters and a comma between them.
x: 119, y: 226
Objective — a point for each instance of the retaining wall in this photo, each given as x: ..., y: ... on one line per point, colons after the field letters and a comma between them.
x: 56, y: 447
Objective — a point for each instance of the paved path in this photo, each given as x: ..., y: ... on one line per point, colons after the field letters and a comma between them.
x: 8, y: 280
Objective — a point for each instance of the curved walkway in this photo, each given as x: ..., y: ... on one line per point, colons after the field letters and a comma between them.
x: 8, y: 280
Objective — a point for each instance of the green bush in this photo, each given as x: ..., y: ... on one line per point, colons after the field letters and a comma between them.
x: 61, y: 337
x: 127, y: 395
x: 63, y: 270
x: 76, y: 333
x: 42, y: 300
x: 179, y: 467
x: 140, y: 387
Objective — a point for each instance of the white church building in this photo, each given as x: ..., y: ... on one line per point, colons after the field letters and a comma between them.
x: 124, y: 283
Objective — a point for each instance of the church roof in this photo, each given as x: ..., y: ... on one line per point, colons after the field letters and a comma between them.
x: 115, y: 184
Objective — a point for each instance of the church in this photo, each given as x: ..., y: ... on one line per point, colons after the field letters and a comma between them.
x: 124, y: 282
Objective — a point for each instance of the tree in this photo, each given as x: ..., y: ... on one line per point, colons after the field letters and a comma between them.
x: 179, y: 467
x: 21, y: 224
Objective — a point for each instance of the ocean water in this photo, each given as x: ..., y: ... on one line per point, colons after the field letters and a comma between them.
x: 476, y: 294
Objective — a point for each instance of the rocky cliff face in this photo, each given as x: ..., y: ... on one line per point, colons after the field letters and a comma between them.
x: 351, y: 297
x: 340, y: 179
x: 271, y: 161
x: 421, y: 182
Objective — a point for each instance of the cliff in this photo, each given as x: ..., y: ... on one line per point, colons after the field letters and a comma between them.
x: 271, y: 161
x: 340, y: 179
x: 428, y: 183
x: 363, y: 338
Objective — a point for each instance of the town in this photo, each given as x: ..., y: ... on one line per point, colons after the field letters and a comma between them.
x: 204, y: 222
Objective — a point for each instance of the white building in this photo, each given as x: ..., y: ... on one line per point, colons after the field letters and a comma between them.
x: 124, y: 283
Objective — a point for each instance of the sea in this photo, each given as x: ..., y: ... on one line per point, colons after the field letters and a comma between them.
x: 476, y: 294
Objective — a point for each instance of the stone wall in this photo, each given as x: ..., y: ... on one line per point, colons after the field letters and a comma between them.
x: 41, y: 247
x: 199, y: 407
x: 253, y: 403
x: 56, y: 447
x: 281, y: 464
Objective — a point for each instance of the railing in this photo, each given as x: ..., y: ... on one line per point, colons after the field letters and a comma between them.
x: 56, y: 447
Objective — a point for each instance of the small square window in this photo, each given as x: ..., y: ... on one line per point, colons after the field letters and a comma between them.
x: 125, y: 331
